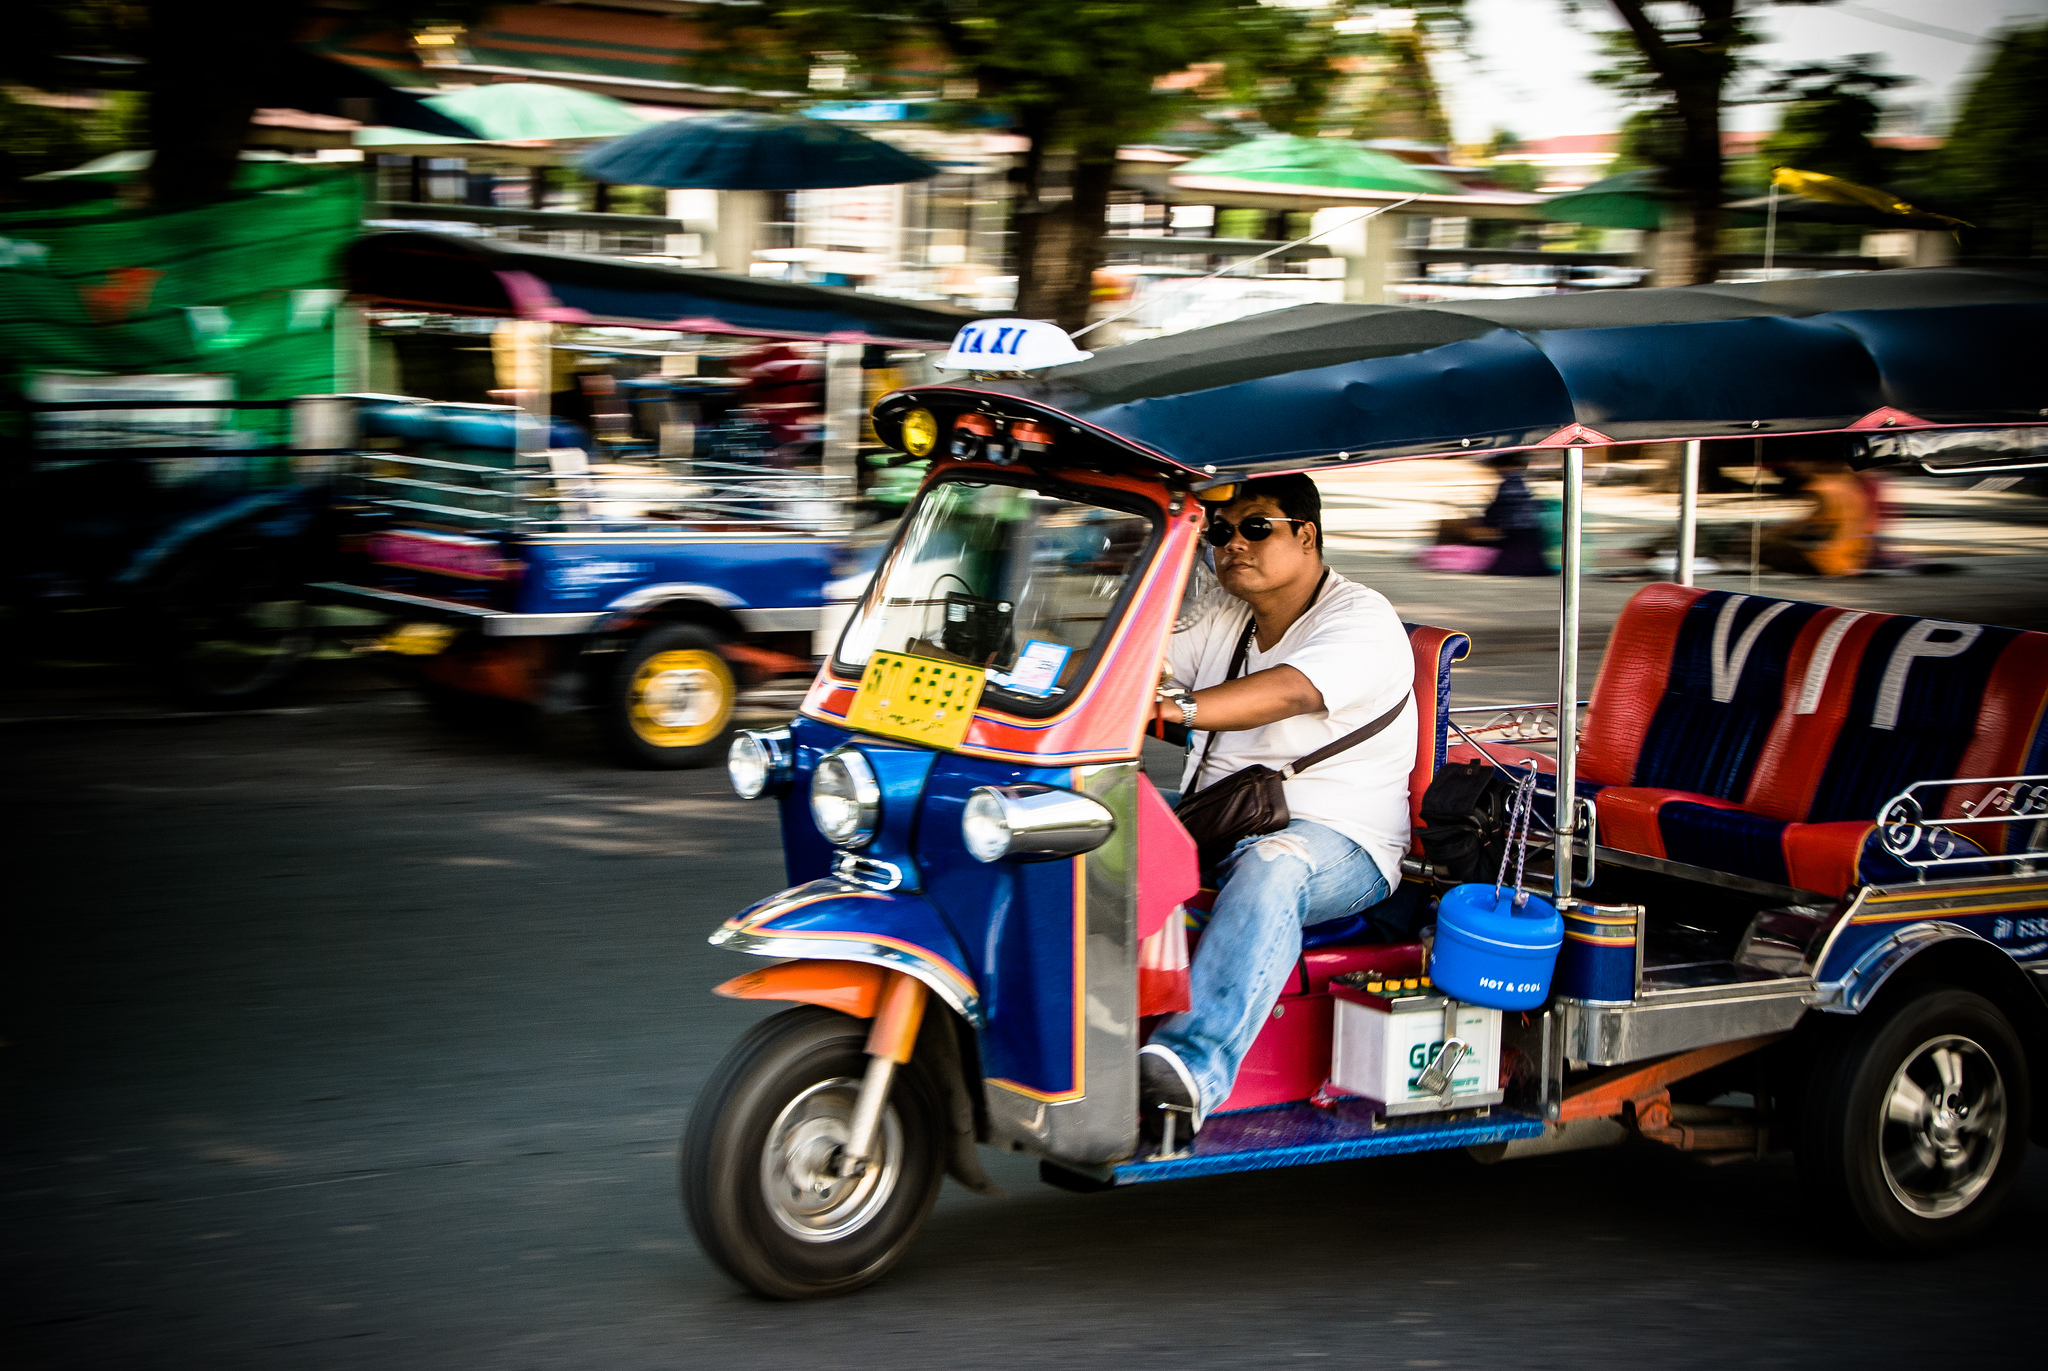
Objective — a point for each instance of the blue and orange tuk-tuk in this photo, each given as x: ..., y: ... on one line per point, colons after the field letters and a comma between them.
x: 1799, y: 868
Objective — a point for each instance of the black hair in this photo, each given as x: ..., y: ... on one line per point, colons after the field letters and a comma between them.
x: 1296, y: 495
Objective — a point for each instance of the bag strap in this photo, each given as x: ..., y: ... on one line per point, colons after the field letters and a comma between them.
x: 1243, y: 654
x: 1345, y: 743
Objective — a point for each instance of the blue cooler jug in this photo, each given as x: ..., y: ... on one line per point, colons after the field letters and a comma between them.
x: 1489, y: 953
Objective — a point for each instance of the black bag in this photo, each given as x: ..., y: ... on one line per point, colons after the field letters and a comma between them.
x: 1253, y: 801
x: 1465, y: 818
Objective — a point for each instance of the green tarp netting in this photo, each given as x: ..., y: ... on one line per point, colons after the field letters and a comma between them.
x: 246, y: 287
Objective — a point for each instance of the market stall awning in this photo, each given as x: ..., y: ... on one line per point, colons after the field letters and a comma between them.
x: 467, y: 276
x: 1317, y: 384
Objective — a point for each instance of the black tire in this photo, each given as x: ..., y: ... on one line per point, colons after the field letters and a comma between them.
x: 1882, y: 1152
x: 231, y: 627
x: 743, y: 1141
x: 670, y: 703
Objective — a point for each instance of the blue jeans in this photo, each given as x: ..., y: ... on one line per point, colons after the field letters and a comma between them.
x: 1273, y: 886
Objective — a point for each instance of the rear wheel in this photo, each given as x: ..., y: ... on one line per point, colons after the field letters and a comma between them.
x: 670, y: 704
x: 1915, y: 1122
x: 232, y: 627
x: 759, y: 1183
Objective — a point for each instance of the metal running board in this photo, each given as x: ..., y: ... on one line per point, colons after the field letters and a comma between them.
x: 1302, y: 1135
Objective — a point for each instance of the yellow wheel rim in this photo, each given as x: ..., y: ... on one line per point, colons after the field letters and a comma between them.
x: 681, y: 699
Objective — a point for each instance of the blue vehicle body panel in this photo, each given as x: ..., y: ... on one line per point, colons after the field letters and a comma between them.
x: 591, y: 571
x: 1015, y: 923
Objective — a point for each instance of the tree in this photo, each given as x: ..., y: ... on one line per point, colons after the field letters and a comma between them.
x: 1075, y: 80
x: 1679, y: 61
x: 1833, y: 112
x: 1994, y: 168
x: 203, y: 67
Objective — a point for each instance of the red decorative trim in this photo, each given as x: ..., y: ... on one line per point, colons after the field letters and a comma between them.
x: 1887, y: 417
x: 1572, y: 434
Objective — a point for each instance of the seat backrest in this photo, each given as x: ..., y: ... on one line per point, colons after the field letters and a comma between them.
x: 1435, y: 649
x: 1875, y: 702
x: 1809, y: 713
x: 1689, y: 689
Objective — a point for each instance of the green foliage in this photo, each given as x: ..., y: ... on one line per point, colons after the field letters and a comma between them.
x: 1833, y: 112
x: 37, y: 137
x: 1084, y: 75
x: 1993, y: 170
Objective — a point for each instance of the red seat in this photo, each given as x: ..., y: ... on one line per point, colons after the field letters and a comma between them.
x: 1762, y: 736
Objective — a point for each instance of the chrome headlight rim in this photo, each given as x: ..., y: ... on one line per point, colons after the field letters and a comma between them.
x: 864, y: 797
x: 767, y: 751
x: 1032, y: 823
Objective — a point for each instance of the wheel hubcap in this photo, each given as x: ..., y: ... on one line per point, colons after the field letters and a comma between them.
x: 681, y: 699
x: 807, y: 1196
x: 1943, y: 1126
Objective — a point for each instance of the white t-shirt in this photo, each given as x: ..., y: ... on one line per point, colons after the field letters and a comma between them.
x: 1351, y: 646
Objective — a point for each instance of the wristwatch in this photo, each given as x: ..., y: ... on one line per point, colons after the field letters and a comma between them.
x: 1184, y: 699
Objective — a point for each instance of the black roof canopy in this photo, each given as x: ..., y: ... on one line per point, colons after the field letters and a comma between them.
x: 1317, y: 383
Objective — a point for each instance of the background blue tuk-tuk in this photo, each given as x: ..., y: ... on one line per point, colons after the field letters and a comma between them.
x: 595, y: 557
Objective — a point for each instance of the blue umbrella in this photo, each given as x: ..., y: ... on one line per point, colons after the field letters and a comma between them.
x: 745, y: 150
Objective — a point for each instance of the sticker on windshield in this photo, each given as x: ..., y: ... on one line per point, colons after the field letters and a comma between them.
x: 1037, y: 671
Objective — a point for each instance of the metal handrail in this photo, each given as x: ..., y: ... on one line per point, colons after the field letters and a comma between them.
x: 1905, y: 828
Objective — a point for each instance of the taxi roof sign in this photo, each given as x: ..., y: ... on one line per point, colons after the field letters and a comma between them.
x: 1010, y: 345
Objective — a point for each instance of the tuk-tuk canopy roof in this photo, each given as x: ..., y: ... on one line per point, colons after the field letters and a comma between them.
x: 1314, y: 384
x: 439, y: 271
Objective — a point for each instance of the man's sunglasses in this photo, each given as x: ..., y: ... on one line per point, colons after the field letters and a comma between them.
x: 1256, y: 529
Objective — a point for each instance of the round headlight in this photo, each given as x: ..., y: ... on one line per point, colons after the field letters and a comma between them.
x: 920, y: 433
x: 746, y: 765
x: 984, y: 827
x: 1032, y: 823
x: 846, y: 803
x: 758, y: 762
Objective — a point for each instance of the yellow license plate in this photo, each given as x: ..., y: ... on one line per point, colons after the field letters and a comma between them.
x: 418, y: 640
x: 918, y: 699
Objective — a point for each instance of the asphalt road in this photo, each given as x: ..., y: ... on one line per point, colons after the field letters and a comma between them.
x: 337, y: 1039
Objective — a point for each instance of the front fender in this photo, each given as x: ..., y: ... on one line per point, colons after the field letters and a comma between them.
x: 833, y: 920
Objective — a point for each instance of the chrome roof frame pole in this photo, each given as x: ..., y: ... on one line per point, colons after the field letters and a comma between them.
x: 1571, y: 556
x: 1689, y: 512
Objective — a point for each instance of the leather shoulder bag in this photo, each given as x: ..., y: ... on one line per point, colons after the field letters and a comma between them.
x: 1253, y: 801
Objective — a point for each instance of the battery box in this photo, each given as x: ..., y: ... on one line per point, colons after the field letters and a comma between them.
x: 1383, y: 1045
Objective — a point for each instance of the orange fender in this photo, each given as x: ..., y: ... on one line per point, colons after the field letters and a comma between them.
x: 850, y: 987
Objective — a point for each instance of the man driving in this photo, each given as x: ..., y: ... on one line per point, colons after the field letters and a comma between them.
x: 1325, y: 657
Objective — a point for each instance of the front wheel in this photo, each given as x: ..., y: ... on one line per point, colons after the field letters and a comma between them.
x: 671, y: 702
x: 759, y: 1183
x: 1915, y: 1122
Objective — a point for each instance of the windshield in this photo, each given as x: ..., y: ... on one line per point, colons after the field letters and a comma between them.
x: 998, y: 576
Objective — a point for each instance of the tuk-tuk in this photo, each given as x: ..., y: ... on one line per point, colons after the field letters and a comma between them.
x: 1798, y: 858
x: 531, y: 559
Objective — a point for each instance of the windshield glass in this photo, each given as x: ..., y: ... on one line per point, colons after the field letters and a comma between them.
x: 998, y: 576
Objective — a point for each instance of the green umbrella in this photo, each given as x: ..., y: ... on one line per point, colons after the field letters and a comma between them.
x: 1328, y: 162
x: 1626, y: 200
x: 518, y: 111
x: 1629, y: 200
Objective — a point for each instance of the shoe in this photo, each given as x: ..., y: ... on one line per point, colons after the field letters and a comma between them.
x: 1164, y: 1085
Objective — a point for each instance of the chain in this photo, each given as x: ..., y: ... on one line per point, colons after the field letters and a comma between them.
x: 1521, y: 809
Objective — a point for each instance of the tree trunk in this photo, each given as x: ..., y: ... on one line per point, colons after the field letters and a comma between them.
x: 1694, y: 74
x: 1059, y: 232
x: 1698, y: 175
x: 202, y: 55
